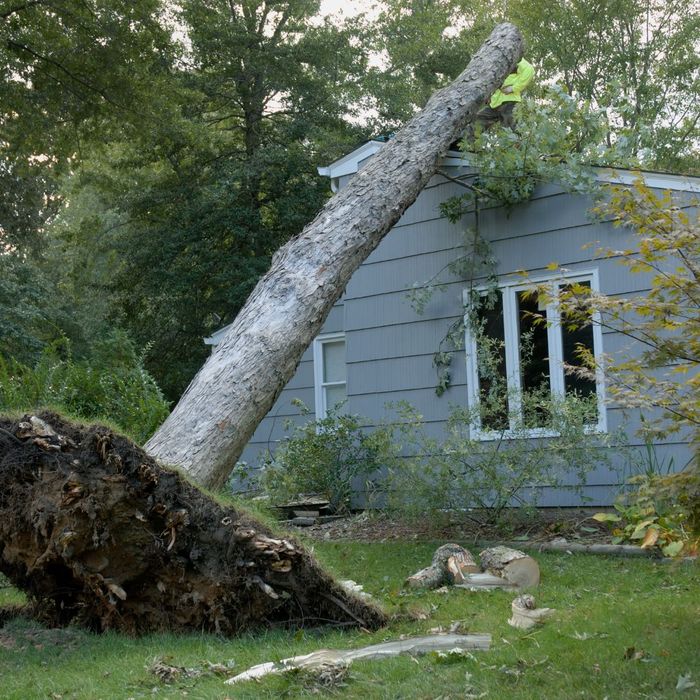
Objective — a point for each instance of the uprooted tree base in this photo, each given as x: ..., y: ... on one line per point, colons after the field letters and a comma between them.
x: 97, y: 533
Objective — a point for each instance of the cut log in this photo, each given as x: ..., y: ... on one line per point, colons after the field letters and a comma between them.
x: 526, y: 614
x: 98, y: 534
x: 512, y: 565
x: 451, y: 563
x: 218, y: 413
x: 325, y: 657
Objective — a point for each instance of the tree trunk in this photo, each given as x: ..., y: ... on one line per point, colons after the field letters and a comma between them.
x: 218, y: 413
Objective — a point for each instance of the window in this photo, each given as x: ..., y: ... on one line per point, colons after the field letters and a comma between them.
x: 329, y: 373
x: 517, y: 345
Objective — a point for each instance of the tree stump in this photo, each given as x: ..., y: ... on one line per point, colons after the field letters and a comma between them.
x: 512, y: 565
x: 97, y: 533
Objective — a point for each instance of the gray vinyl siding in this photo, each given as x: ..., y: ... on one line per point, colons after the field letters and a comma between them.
x: 390, y: 347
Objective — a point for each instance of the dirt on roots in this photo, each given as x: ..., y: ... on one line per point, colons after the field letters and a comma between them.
x: 98, y: 534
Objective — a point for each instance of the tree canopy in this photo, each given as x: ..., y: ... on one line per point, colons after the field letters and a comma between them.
x: 153, y: 155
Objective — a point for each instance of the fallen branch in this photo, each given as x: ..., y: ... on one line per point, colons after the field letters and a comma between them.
x: 626, y: 550
x: 325, y: 657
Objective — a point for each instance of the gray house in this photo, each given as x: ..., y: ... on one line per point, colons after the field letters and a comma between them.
x: 375, y: 348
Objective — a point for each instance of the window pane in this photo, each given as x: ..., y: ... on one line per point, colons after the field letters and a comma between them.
x: 534, y: 358
x: 334, y: 361
x: 335, y: 395
x: 491, y: 359
x: 576, y: 337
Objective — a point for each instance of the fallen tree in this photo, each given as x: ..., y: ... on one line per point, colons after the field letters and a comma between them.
x: 218, y: 413
x: 97, y: 533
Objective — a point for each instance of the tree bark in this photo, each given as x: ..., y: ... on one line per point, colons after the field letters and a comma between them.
x: 218, y: 413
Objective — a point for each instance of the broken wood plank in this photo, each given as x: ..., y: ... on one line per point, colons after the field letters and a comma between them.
x: 486, y: 582
x: 305, y: 513
x: 323, y: 657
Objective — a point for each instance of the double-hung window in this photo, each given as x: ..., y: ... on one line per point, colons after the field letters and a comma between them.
x: 329, y: 373
x: 524, y: 352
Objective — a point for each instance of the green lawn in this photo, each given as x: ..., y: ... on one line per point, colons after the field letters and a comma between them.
x: 607, y: 609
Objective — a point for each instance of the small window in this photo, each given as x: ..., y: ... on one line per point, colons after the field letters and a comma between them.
x: 329, y: 373
x: 518, y: 342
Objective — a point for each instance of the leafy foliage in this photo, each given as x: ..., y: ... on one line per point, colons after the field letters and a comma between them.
x: 660, y: 511
x: 423, y: 45
x: 482, y: 479
x: 331, y: 456
x: 635, y: 60
x: 174, y: 227
x: 112, y: 386
x: 663, y: 370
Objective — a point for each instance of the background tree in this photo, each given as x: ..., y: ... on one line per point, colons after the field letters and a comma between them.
x: 636, y: 59
x: 202, y: 198
x: 69, y: 72
x: 419, y: 46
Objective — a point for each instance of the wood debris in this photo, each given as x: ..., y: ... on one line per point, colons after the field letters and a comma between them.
x: 526, y: 614
x: 326, y: 657
x: 451, y: 564
x: 501, y: 568
x: 512, y: 565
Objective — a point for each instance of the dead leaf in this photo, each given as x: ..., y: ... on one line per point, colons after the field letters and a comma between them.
x: 633, y: 654
x: 650, y: 538
x: 684, y: 683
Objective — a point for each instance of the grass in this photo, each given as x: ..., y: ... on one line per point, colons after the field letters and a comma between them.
x: 607, y: 609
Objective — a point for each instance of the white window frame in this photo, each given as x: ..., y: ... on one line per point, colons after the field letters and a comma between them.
x: 509, y: 291
x: 319, y: 384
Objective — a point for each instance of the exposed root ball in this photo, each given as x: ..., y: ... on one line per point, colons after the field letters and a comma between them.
x: 99, y: 534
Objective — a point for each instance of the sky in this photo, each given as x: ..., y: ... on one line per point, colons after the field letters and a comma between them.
x: 347, y: 7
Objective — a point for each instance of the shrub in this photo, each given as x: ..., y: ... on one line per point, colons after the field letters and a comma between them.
x: 328, y: 457
x: 483, y: 479
x: 662, y: 510
x: 112, y: 385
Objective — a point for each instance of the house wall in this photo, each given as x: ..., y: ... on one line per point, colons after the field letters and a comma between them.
x: 390, y: 347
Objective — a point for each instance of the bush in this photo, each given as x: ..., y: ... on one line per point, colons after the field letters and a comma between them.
x: 111, y: 386
x: 327, y: 457
x: 662, y: 510
x: 483, y: 479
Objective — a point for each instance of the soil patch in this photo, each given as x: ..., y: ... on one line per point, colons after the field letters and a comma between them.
x: 576, y: 525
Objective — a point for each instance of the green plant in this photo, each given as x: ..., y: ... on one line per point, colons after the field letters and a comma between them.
x: 660, y: 375
x: 112, y: 385
x: 482, y: 479
x: 327, y: 456
x: 660, y: 511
